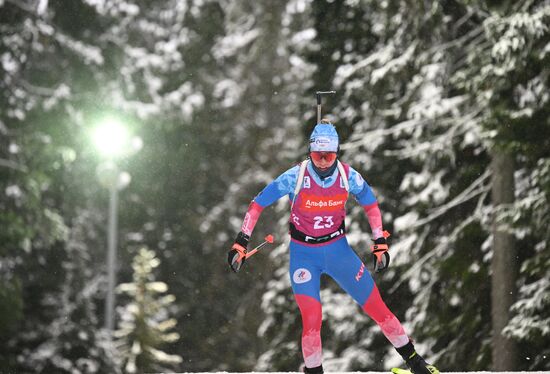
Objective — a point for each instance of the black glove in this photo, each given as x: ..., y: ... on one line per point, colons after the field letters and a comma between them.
x: 380, y: 255
x: 237, y: 253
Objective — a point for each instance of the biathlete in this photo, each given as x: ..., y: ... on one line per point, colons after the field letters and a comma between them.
x: 318, y: 244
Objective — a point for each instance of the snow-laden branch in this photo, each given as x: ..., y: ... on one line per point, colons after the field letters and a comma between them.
x: 472, y: 191
x: 232, y: 199
x: 12, y: 165
x: 90, y: 54
x: 23, y: 6
x: 456, y: 43
x: 37, y: 90
x: 443, y: 245
x: 407, y: 126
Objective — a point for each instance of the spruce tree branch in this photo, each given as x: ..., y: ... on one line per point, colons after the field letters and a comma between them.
x: 461, y: 21
x: 21, y: 5
x: 407, y: 125
x: 37, y: 90
x: 466, y: 195
x: 415, y: 269
x: 12, y: 165
x: 472, y: 191
x: 459, y: 42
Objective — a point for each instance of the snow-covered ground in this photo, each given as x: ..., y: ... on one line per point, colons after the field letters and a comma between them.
x: 388, y: 372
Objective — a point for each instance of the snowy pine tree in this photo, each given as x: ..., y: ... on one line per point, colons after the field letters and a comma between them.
x: 145, y: 324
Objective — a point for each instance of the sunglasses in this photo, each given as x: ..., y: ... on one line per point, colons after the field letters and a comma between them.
x: 329, y: 157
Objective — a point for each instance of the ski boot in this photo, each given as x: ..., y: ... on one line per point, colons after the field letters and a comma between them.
x: 415, y: 362
x: 315, y: 370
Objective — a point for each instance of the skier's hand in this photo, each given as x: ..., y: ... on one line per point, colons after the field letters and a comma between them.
x: 380, y: 255
x: 237, y: 253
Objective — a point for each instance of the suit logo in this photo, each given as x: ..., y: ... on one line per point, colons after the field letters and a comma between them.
x: 316, y: 203
x: 360, y: 272
x: 301, y: 275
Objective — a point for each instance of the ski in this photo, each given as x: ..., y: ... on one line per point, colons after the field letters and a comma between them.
x: 400, y: 371
x: 431, y: 368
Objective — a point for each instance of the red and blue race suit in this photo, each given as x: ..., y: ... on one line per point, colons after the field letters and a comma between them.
x: 319, y: 246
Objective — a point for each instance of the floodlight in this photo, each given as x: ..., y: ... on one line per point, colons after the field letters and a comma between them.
x: 111, y: 138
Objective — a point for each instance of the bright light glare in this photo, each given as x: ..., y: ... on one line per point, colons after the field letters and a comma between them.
x: 111, y: 138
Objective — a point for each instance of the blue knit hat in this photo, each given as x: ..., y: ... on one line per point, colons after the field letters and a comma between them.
x: 324, y: 138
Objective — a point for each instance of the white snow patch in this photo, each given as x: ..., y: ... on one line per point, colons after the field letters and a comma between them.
x: 230, y: 44
x: 404, y: 222
x: 304, y: 37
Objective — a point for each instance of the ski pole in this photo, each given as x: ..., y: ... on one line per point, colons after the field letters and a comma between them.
x: 268, y: 239
x: 319, y: 93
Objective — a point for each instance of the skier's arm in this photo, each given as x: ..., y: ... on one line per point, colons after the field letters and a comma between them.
x: 281, y: 186
x: 375, y: 219
x: 364, y: 195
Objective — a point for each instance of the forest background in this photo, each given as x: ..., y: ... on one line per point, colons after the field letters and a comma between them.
x: 442, y: 105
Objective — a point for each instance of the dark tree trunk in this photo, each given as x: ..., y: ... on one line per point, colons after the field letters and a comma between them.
x: 504, y: 263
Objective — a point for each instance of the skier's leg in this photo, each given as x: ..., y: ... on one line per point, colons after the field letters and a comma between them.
x: 376, y: 309
x: 311, y: 312
x: 305, y: 276
x: 352, y: 275
x: 348, y: 270
x: 394, y: 332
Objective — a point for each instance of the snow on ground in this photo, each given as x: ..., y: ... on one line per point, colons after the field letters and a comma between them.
x: 383, y: 372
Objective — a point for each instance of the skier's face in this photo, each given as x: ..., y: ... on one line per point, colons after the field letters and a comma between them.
x: 323, y: 160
